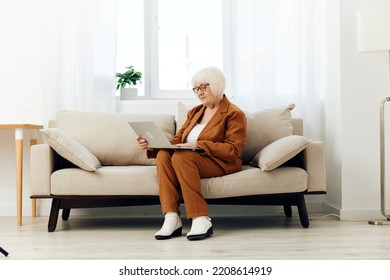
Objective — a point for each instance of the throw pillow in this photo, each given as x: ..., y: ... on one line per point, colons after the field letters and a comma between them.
x: 182, y: 115
x: 70, y: 149
x: 280, y: 151
x: 265, y: 127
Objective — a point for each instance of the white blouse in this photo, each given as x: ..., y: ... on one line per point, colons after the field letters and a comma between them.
x: 194, y: 133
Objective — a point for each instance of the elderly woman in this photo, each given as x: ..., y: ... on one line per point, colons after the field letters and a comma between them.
x: 216, y: 126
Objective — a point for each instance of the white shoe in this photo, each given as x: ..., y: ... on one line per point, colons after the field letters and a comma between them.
x: 172, y: 227
x: 201, y: 228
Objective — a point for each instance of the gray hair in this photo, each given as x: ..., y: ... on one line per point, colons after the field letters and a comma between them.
x: 213, y: 76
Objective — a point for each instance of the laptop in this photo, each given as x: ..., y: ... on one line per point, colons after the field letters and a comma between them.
x: 155, y: 137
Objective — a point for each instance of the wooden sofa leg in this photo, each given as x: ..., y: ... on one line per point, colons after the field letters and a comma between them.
x: 287, y: 210
x: 55, y: 209
x: 65, y: 214
x: 303, y: 216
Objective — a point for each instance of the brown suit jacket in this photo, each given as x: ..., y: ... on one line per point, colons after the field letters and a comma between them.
x: 224, y: 136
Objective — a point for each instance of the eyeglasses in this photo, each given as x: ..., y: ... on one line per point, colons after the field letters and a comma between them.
x: 200, y: 87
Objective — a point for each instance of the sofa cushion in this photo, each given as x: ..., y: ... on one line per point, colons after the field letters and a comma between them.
x: 108, y: 135
x: 265, y: 127
x: 70, y: 149
x: 114, y: 180
x: 280, y: 180
x: 280, y: 151
x: 107, y: 180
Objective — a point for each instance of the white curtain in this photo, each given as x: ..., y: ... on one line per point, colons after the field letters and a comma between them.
x: 78, y: 47
x: 20, y: 85
x: 279, y: 57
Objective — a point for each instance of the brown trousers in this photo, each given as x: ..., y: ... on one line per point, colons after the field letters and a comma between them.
x: 180, y: 172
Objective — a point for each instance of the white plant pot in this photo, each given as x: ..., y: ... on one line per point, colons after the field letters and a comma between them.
x: 129, y: 93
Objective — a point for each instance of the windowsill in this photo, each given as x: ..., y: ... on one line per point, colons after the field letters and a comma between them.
x: 152, y: 106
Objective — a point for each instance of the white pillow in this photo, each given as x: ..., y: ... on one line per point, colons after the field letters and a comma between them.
x: 265, y: 127
x: 70, y: 149
x: 182, y: 115
x: 280, y: 151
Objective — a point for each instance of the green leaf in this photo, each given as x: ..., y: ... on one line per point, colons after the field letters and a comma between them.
x: 129, y: 77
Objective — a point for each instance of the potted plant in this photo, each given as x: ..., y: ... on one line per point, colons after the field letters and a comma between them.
x: 126, y: 80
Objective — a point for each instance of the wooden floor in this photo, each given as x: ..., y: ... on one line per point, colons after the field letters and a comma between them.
x: 249, y: 237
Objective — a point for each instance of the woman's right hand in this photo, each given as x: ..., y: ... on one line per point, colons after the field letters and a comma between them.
x: 141, y: 142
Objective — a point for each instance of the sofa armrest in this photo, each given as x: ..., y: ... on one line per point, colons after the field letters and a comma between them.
x: 314, y: 164
x: 41, y: 168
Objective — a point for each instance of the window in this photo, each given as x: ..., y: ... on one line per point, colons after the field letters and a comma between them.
x: 178, y: 38
x: 130, y: 45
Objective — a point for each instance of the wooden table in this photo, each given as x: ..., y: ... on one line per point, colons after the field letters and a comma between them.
x: 19, y: 137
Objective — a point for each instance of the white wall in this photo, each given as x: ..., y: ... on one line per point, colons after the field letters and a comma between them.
x: 331, y: 110
x: 364, y: 83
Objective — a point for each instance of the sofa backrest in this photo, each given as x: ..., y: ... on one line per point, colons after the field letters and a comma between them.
x: 103, y: 133
x: 108, y: 135
x: 297, y: 124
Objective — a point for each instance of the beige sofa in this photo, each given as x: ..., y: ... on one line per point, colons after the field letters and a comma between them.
x: 91, y: 160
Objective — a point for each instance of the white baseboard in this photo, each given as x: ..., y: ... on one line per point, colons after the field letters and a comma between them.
x: 353, y: 215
